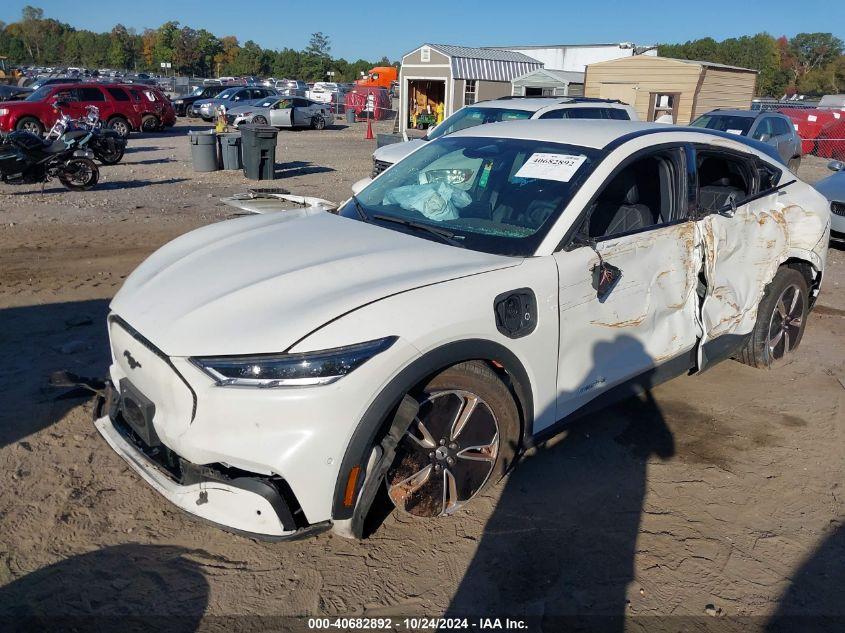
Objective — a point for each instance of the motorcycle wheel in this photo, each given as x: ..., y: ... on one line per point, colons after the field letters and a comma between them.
x: 111, y: 157
x: 79, y: 174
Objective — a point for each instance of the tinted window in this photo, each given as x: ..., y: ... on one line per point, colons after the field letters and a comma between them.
x: 585, y: 113
x: 725, y: 123
x: 118, y: 94
x: 40, y: 94
x: 617, y: 113
x: 495, y: 195
x: 781, y: 127
x: 299, y: 103
x: 89, y: 93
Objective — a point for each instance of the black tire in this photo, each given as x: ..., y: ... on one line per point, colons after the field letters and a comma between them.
x: 30, y: 124
x: 778, y: 314
x: 150, y: 123
x: 120, y: 125
x: 259, y: 120
x: 794, y: 164
x: 111, y: 157
x: 456, y: 447
x: 80, y: 174
x: 318, y: 123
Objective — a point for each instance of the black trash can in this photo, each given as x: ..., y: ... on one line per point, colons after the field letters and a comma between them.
x: 230, y: 150
x: 258, y: 151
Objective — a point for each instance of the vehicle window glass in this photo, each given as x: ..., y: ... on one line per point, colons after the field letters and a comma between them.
x: 266, y: 103
x: 118, y: 94
x: 725, y: 123
x: 781, y: 127
x: 617, y: 113
x: 39, y: 95
x: 764, y: 128
x: 299, y: 103
x: 227, y: 94
x: 66, y: 94
x: 498, y: 195
x: 136, y: 96
x: 720, y: 177
x: 470, y: 117
x: 645, y: 193
x: 88, y: 93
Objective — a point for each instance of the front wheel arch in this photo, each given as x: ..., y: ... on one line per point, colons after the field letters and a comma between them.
x: 378, y: 418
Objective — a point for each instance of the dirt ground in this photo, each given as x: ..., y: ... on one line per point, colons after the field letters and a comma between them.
x: 717, y: 498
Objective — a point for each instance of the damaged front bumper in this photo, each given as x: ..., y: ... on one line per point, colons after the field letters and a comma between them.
x: 236, y: 501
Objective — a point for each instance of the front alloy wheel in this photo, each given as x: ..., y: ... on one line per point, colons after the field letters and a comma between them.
x: 461, y: 441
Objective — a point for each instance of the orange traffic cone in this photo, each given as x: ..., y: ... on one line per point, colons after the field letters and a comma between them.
x: 369, y: 135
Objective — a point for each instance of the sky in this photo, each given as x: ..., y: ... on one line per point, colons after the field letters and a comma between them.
x: 368, y: 30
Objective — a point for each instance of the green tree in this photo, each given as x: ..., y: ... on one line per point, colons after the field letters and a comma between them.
x: 319, y: 46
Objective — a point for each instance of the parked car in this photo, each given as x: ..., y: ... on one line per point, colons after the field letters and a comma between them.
x: 292, y: 87
x: 122, y: 108
x: 507, y: 109
x: 283, y: 112
x: 206, y: 109
x: 183, y: 104
x: 48, y: 81
x: 12, y: 93
x: 327, y: 92
x: 274, y: 373
x: 771, y: 128
x: 833, y: 188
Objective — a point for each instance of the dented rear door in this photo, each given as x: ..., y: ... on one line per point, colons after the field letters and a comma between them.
x: 741, y: 256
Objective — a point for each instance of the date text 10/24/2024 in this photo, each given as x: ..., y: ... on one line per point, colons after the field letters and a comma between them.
x: 416, y: 624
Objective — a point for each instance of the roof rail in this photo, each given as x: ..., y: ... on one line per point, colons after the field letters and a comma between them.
x: 565, y: 98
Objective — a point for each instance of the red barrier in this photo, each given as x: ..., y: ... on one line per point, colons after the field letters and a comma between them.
x: 356, y: 100
x: 813, y: 126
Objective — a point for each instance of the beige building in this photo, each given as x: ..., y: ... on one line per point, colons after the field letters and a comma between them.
x: 441, y: 76
x: 661, y: 87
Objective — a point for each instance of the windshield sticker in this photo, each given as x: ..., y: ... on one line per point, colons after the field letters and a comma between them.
x: 560, y: 167
x: 737, y: 132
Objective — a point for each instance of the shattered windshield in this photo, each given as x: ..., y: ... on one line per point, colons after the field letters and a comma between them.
x: 489, y: 194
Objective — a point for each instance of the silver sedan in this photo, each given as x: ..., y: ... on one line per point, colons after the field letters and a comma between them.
x: 283, y: 112
x: 833, y: 188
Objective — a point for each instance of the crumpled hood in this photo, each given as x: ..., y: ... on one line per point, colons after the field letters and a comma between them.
x: 259, y: 284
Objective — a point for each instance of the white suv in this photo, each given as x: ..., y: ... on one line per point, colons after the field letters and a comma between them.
x: 507, y: 109
x: 274, y: 374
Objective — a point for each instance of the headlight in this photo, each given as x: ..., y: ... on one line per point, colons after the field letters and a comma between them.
x: 178, y: 102
x: 291, y: 370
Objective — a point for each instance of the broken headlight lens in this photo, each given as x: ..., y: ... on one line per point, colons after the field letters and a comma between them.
x: 291, y: 370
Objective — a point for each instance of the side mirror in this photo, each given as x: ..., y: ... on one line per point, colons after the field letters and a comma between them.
x: 359, y: 186
x: 836, y: 165
x: 729, y: 209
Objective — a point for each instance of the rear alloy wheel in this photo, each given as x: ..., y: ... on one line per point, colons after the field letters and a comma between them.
x: 150, y: 123
x: 462, y: 440
x: 121, y: 126
x: 781, y: 318
x: 318, y: 123
x: 794, y: 164
x: 31, y: 125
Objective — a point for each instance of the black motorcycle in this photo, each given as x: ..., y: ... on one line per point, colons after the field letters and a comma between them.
x: 27, y: 159
x: 108, y: 146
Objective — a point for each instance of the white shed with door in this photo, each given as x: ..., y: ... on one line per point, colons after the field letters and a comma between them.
x: 545, y: 82
x: 439, y: 79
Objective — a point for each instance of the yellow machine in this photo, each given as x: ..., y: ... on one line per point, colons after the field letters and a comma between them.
x: 8, y: 76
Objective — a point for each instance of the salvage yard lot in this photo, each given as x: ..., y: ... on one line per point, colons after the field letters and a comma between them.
x: 720, y: 495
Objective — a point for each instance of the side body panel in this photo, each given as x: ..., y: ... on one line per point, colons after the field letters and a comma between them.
x: 649, y: 317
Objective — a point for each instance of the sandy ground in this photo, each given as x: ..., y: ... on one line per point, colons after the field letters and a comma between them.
x: 718, y: 496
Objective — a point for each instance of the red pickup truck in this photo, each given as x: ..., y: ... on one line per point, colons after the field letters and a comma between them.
x: 123, y: 107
